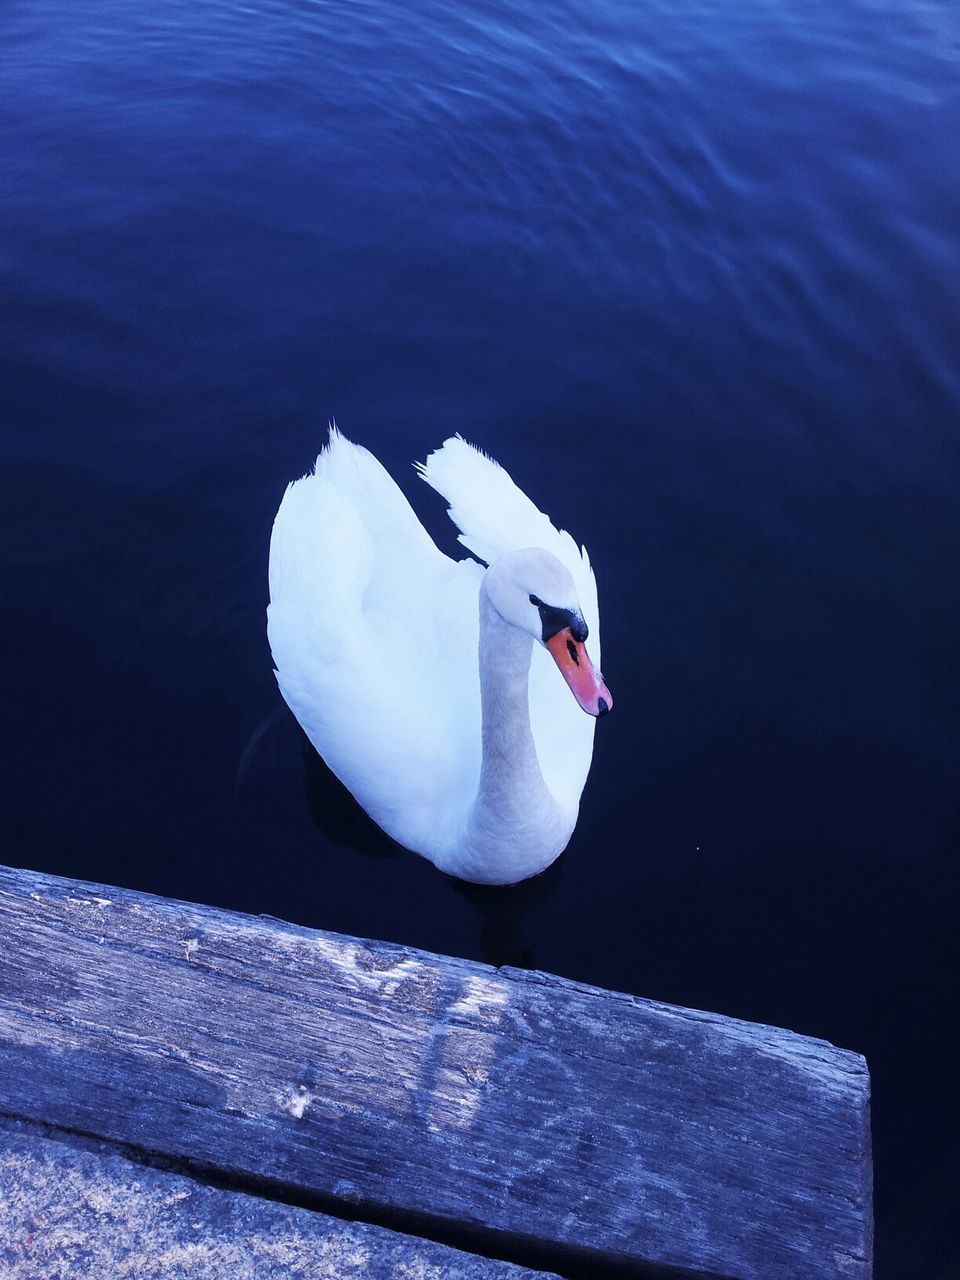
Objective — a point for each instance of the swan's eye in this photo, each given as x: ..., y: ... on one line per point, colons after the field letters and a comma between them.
x: 554, y: 619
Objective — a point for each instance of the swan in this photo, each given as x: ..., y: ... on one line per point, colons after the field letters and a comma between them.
x: 433, y: 687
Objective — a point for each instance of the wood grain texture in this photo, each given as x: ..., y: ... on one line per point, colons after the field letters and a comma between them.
x: 68, y: 1213
x: 530, y: 1108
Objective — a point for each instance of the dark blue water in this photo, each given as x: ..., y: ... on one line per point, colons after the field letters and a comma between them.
x: 691, y: 273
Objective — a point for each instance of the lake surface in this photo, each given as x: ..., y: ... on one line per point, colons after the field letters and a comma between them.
x: 690, y: 273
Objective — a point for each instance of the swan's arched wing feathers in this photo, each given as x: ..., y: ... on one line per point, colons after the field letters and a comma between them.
x: 494, y: 516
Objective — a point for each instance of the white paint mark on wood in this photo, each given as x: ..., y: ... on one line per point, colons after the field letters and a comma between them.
x: 482, y: 999
x: 468, y: 1053
x: 296, y: 1101
x: 363, y: 969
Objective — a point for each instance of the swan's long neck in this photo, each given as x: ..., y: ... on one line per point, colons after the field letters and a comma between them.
x: 510, y: 770
x: 515, y: 827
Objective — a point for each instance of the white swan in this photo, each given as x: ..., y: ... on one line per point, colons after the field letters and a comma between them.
x: 430, y: 686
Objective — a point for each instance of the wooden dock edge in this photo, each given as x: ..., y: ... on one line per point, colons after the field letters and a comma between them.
x: 532, y: 1118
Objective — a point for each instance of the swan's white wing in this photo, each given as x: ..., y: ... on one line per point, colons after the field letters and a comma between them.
x: 495, y: 516
x: 374, y: 636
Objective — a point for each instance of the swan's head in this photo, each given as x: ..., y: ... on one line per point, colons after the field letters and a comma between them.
x: 533, y: 591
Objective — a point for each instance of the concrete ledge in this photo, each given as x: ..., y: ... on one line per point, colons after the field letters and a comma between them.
x: 68, y: 1214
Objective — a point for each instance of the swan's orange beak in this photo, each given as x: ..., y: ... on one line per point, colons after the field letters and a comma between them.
x: 581, y: 675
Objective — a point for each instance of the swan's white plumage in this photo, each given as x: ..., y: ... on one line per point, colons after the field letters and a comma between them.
x: 374, y: 635
x: 495, y: 516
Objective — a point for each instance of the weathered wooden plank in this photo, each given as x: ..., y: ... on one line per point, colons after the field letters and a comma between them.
x: 68, y: 1213
x: 535, y: 1110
